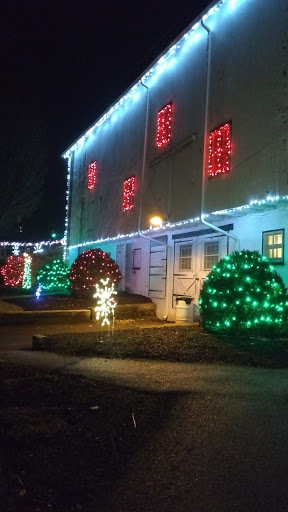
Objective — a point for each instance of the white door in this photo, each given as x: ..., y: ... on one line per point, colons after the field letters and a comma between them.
x: 185, y: 279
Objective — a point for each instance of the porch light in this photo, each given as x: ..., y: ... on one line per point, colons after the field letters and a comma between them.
x: 156, y: 222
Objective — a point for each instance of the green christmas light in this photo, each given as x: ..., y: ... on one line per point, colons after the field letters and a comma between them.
x: 250, y: 295
x: 53, y: 276
x: 27, y: 279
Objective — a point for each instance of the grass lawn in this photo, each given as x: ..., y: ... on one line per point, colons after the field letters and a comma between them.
x: 64, y: 439
x: 171, y: 343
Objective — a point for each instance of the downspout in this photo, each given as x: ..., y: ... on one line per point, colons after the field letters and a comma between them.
x: 143, y: 171
x: 202, y: 216
x: 141, y: 191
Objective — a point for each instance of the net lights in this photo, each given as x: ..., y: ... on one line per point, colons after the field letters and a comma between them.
x: 129, y: 188
x: 106, y: 302
x: 92, y: 169
x: 243, y: 292
x: 219, y: 150
x: 53, y: 276
x: 13, y: 271
x: 164, y: 122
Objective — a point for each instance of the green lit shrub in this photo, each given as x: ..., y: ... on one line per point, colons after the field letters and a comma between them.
x: 242, y: 294
x: 54, y: 276
x: 89, y: 268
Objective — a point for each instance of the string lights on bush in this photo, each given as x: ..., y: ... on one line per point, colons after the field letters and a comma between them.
x: 89, y: 268
x: 27, y: 277
x: 92, y: 169
x: 243, y: 293
x: 219, y: 150
x: 13, y: 271
x: 53, y: 276
x: 129, y: 188
x: 164, y: 123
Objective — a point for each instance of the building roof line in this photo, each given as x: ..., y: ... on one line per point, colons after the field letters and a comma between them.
x: 170, y: 49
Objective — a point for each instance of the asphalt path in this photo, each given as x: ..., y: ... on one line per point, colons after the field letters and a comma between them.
x: 223, y: 446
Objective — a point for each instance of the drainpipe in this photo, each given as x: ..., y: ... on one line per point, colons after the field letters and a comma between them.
x: 202, y: 216
x: 143, y: 171
x: 141, y: 192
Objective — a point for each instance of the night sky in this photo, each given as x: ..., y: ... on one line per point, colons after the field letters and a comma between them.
x: 63, y: 64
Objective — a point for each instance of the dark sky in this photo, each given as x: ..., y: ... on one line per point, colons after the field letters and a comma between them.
x: 65, y: 63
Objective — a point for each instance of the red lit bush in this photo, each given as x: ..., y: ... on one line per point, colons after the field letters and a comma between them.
x: 13, y: 271
x: 89, y: 268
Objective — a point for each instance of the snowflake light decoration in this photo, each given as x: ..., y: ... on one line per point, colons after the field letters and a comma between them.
x: 38, y: 291
x: 106, y: 303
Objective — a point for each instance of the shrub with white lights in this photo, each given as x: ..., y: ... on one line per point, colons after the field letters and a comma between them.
x: 53, y: 276
x: 244, y: 293
x: 89, y: 268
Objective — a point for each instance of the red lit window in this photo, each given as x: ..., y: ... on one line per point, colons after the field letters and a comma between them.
x: 129, y: 187
x: 92, y: 169
x: 219, y: 150
x: 164, y: 121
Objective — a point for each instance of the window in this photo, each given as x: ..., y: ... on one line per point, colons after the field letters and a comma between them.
x: 211, y: 254
x: 92, y: 169
x: 219, y: 150
x: 273, y: 245
x: 129, y: 187
x: 185, y: 257
x: 164, y: 121
x: 136, y: 263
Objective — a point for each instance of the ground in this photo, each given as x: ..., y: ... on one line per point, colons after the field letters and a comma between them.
x: 142, y: 432
x: 46, y: 302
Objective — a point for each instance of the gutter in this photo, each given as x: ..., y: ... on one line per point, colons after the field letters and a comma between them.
x: 205, y: 148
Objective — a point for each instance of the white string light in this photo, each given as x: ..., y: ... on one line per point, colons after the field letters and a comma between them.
x: 183, y: 223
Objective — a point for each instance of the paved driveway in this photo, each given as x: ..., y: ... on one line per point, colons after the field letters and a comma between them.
x: 222, y: 448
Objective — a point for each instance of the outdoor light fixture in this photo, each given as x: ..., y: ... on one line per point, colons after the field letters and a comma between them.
x: 156, y: 221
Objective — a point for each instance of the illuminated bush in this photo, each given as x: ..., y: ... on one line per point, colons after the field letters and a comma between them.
x: 243, y: 293
x: 89, y: 268
x: 13, y: 271
x: 54, y: 276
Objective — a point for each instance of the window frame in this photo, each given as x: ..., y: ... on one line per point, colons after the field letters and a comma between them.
x: 128, y: 194
x: 167, y: 112
x: 273, y: 261
x: 209, y: 255
x: 227, y: 149
x: 182, y: 258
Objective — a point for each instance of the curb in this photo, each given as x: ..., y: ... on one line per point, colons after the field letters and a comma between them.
x: 126, y: 311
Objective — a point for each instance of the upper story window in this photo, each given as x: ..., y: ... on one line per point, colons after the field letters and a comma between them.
x: 164, y: 121
x: 185, y: 257
x: 211, y: 254
x: 129, y: 187
x: 273, y: 245
x: 220, y: 150
x: 92, y: 170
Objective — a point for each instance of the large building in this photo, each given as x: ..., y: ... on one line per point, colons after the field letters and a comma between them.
x: 199, y: 141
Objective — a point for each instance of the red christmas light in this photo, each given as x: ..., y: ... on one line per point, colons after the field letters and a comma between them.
x: 219, y: 150
x: 129, y: 187
x: 164, y: 122
x: 87, y: 270
x: 13, y: 271
x: 92, y: 168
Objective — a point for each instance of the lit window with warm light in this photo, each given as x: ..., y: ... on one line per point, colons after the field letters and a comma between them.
x: 273, y: 245
x: 164, y: 122
x: 92, y: 170
x: 129, y: 188
x: 219, y: 161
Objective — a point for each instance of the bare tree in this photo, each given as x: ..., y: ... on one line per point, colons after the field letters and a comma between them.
x: 23, y: 167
